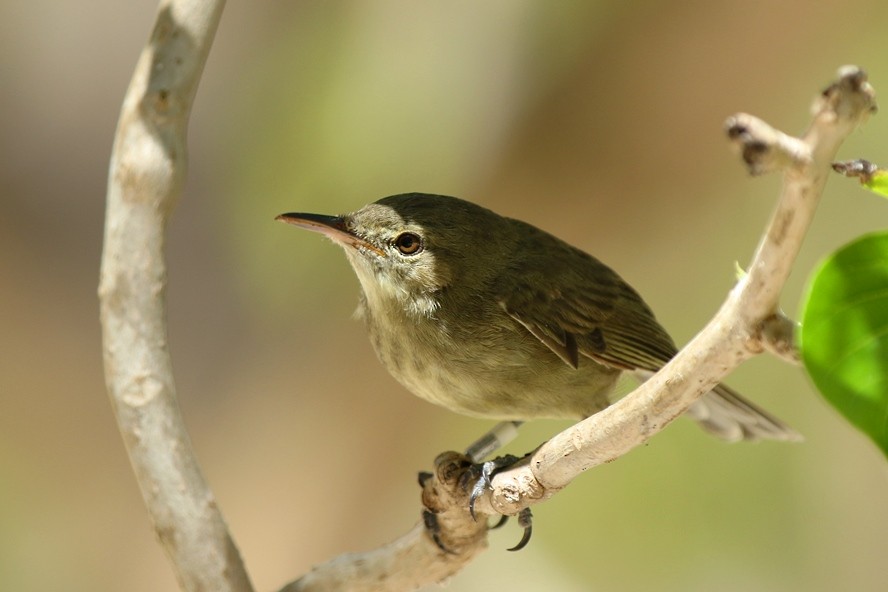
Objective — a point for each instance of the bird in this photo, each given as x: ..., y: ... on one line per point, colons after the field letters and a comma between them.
x: 492, y: 317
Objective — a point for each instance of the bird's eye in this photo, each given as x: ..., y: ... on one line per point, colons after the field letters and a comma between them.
x: 409, y: 243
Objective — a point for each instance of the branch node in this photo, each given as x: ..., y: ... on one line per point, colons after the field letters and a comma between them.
x: 763, y: 148
x: 861, y: 169
x: 445, y: 495
x: 777, y: 335
x: 850, y: 97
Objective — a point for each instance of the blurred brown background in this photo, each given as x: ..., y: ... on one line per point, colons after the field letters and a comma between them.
x: 599, y: 121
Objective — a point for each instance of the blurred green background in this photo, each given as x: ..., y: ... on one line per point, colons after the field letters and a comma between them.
x: 598, y: 121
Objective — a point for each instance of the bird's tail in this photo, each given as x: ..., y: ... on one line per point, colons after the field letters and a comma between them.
x: 725, y: 413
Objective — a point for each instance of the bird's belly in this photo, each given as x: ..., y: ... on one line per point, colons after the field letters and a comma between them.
x: 506, y: 383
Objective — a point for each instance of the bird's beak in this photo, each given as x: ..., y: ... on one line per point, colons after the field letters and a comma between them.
x: 333, y: 227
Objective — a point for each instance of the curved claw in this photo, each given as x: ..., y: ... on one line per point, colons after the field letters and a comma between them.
x: 525, y: 520
x: 481, y: 484
x: 502, y: 520
x: 487, y: 470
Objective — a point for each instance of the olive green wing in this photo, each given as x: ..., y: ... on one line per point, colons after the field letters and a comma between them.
x: 577, y: 306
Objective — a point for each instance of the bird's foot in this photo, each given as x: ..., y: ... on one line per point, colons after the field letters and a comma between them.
x: 457, y: 474
x: 525, y: 521
x: 482, y: 475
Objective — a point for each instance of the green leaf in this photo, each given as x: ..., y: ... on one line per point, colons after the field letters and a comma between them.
x: 878, y: 182
x: 844, y: 336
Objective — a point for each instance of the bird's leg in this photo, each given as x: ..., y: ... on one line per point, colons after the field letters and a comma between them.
x: 474, y: 474
x: 500, y: 435
x: 487, y: 470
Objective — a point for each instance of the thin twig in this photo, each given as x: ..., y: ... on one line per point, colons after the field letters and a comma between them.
x: 146, y: 176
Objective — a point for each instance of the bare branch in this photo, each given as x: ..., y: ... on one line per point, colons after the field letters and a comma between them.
x: 415, y: 559
x: 146, y: 176
x: 735, y: 333
x: 748, y: 323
